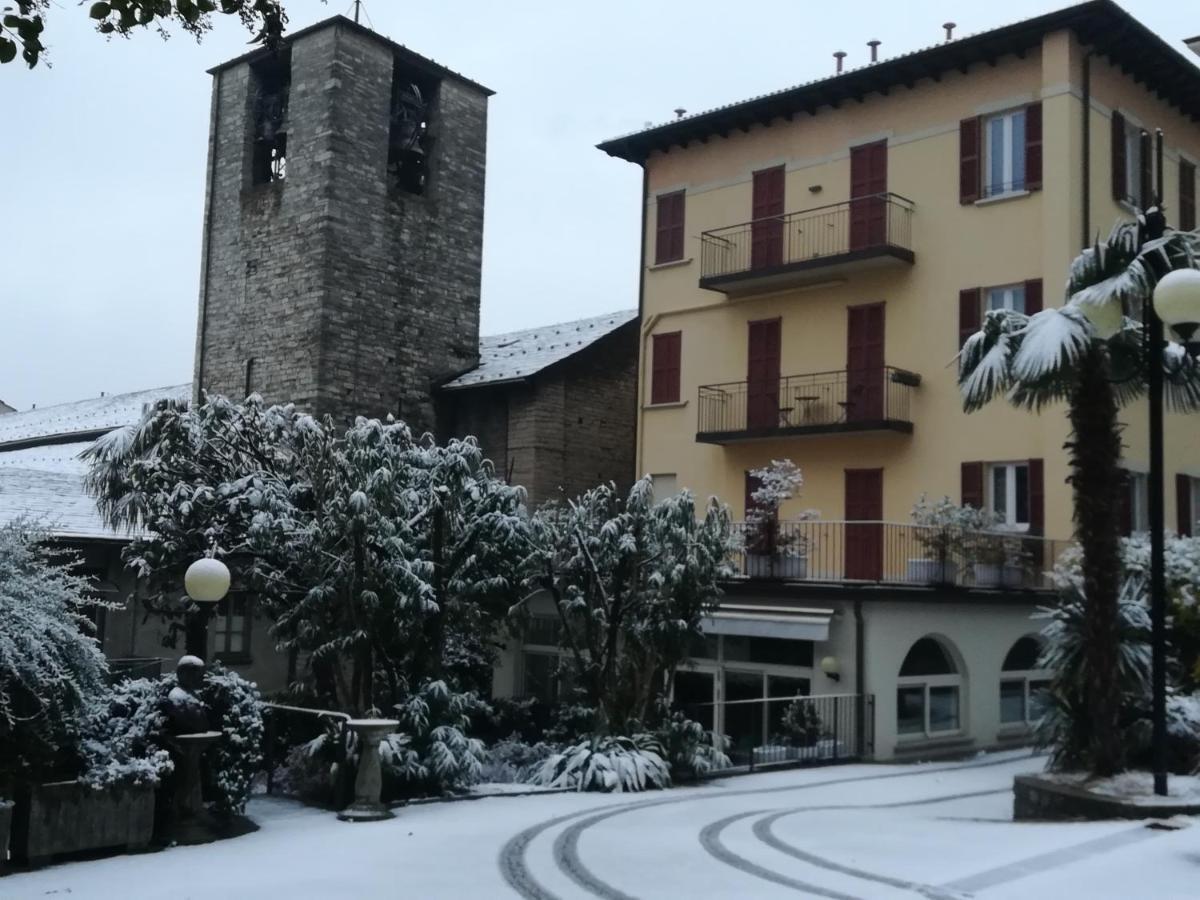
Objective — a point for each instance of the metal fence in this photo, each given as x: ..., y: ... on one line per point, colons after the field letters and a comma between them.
x: 797, y: 730
x: 887, y: 552
x: 819, y: 400
x: 863, y: 223
x: 127, y: 668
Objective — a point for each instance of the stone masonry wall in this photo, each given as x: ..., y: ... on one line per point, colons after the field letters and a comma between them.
x: 351, y: 296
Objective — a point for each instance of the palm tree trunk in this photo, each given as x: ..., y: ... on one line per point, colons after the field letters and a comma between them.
x: 1095, y: 448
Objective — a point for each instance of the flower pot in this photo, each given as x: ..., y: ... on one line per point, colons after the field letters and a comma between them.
x: 791, y: 567
x: 932, y: 571
x: 69, y: 817
x: 6, y: 809
x: 989, y: 575
x: 763, y: 565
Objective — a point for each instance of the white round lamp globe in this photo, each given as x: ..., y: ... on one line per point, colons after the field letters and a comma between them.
x: 1177, y: 298
x: 206, y: 580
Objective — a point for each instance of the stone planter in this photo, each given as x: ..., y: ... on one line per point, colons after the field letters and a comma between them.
x: 69, y: 817
x: 761, y: 565
x: 1037, y: 798
x: 6, y: 809
x: 994, y: 575
x: 932, y: 571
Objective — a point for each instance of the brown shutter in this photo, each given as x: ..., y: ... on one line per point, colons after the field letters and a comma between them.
x: 1033, y: 146
x: 1183, y: 505
x: 969, y: 160
x: 972, y: 484
x: 1033, y: 296
x: 664, y: 371
x: 1120, y: 190
x: 1126, y: 511
x: 1037, y: 496
x: 970, y: 313
x: 1187, y: 196
x: 669, y: 228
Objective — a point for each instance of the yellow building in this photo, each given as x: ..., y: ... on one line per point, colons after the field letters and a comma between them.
x: 812, y: 261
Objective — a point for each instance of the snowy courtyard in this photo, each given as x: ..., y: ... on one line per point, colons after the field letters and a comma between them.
x: 935, y: 830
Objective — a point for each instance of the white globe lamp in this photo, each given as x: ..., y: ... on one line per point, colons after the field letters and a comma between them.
x: 207, y: 580
x: 1177, y: 302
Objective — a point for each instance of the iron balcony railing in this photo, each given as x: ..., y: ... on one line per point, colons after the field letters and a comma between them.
x: 847, y: 400
x: 864, y: 226
x: 893, y: 553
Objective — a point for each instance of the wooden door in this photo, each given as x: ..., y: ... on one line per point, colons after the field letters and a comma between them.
x: 864, y: 363
x: 766, y: 231
x: 864, y: 543
x: 868, y: 205
x: 762, y: 375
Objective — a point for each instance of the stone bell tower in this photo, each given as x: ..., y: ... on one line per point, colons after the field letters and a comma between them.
x: 343, y: 226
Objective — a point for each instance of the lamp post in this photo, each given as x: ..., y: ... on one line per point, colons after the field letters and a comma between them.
x: 206, y: 582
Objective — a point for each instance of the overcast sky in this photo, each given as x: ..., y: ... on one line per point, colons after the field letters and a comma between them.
x: 103, y: 155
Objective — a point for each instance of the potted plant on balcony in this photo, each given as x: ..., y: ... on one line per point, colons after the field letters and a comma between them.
x: 773, y: 549
x: 943, y: 530
x: 998, y: 559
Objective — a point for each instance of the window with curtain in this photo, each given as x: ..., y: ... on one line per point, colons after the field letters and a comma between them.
x: 1004, y: 145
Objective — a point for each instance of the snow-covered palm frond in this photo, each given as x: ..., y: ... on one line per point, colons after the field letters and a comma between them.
x: 984, y: 363
x: 1052, y: 342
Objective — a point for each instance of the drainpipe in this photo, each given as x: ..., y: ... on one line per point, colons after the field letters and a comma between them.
x: 637, y: 400
x: 1087, y: 149
x: 860, y: 675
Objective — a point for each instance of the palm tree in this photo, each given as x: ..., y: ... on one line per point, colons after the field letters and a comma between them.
x: 1092, y: 353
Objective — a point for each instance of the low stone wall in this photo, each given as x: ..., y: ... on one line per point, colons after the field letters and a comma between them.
x: 68, y: 817
x: 1037, y: 798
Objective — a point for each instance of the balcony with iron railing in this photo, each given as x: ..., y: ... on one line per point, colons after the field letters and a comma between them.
x: 868, y: 399
x: 778, y: 252
x: 889, y: 553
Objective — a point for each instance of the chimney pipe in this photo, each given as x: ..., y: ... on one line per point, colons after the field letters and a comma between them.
x: 1193, y: 44
x: 680, y: 112
x: 839, y: 56
x: 949, y: 26
x: 874, y: 45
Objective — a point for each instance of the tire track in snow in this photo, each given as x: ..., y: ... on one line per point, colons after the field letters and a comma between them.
x: 516, y: 872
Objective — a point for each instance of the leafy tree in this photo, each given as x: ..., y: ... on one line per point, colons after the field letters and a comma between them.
x: 22, y: 26
x: 1092, y: 354
x: 630, y: 580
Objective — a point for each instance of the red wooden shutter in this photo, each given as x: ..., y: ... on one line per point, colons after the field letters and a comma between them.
x: 972, y: 484
x: 1037, y: 496
x: 669, y: 236
x: 1033, y: 296
x: 970, y: 160
x: 1183, y: 505
x: 1126, y: 511
x: 763, y: 357
x: 970, y: 313
x: 1120, y: 189
x: 766, y: 209
x: 863, y: 554
x: 1187, y: 196
x: 1033, y: 146
x: 865, y: 362
x: 664, y: 378
x: 868, y: 190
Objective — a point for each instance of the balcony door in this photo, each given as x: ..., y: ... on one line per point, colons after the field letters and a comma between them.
x: 864, y: 363
x: 868, y: 205
x: 766, y: 231
x: 864, y: 543
x: 762, y: 375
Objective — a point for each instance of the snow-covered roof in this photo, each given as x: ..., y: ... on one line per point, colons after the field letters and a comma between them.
x: 93, y: 416
x: 45, y: 484
x: 520, y: 354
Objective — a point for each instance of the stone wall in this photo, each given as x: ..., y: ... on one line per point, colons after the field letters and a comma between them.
x: 333, y: 287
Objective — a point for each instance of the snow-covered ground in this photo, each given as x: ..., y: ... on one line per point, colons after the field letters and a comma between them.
x: 936, y: 830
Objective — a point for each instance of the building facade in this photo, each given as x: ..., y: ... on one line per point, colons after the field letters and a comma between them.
x: 814, y: 259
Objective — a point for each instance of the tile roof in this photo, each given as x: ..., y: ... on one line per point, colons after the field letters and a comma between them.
x: 93, y: 416
x: 520, y: 354
x: 44, y: 484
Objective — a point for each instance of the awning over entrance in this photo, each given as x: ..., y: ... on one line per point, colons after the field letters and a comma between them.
x: 797, y: 623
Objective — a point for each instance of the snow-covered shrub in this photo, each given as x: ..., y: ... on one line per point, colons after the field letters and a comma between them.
x: 571, y: 720
x: 944, y: 528
x: 235, y: 709
x: 123, y: 739
x: 777, y: 483
x: 508, y: 762
x: 511, y: 719
x: 801, y: 726
x: 50, y: 665
x: 609, y: 764
x: 691, y: 749
x: 431, y: 753
x: 310, y: 771
x: 1183, y: 735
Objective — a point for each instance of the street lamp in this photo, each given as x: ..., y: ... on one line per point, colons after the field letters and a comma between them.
x: 206, y: 582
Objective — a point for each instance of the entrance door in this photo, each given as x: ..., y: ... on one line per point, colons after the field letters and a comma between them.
x: 762, y: 375
x: 766, y: 231
x: 864, y: 363
x: 695, y: 694
x: 868, y: 205
x: 864, y: 543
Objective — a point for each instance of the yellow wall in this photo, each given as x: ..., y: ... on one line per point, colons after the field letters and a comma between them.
x: 1033, y: 236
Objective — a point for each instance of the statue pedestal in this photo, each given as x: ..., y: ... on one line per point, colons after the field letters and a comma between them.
x: 368, y: 784
x: 192, y: 823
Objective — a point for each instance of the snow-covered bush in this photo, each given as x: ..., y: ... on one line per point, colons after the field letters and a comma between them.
x: 801, y: 726
x: 124, y: 735
x: 235, y: 709
x: 509, y: 762
x: 943, y: 527
x: 1183, y: 735
x: 776, y: 484
x: 691, y: 749
x: 50, y: 665
x: 572, y: 719
x: 609, y: 764
x: 431, y: 753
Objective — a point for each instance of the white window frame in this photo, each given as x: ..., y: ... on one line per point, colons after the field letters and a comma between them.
x: 1010, y: 152
x: 1008, y: 296
x: 1009, y: 522
x: 1133, y: 163
x: 1025, y: 678
x: 927, y: 682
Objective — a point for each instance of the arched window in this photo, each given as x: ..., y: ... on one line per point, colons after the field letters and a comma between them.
x: 928, y: 691
x: 1022, y: 684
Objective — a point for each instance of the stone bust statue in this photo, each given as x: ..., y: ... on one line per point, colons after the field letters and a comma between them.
x: 186, y: 712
